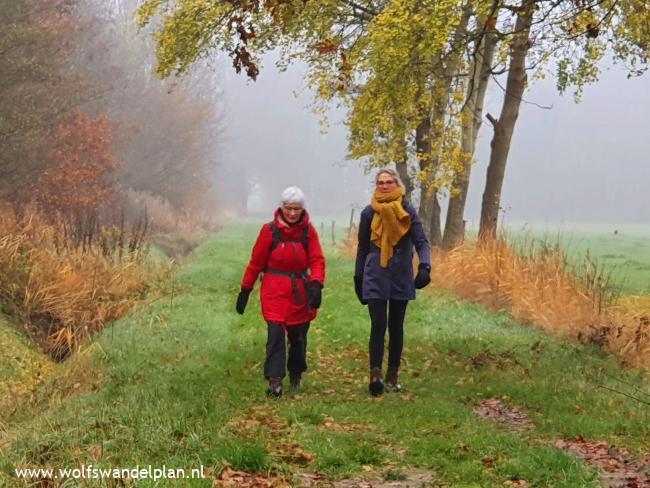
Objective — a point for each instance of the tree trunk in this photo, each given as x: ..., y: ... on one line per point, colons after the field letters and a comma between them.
x: 402, y: 171
x: 432, y: 215
x: 482, y: 69
x: 429, y: 206
x: 433, y: 129
x: 423, y: 152
x: 504, y: 126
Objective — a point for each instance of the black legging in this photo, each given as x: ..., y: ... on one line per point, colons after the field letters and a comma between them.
x: 395, y: 323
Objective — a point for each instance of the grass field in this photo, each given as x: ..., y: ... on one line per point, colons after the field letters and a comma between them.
x: 178, y: 383
x: 627, y: 256
x: 624, y: 255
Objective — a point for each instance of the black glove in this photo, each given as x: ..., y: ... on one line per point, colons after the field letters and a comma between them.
x: 423, y: 278
x: 242, y: 300
x: 314, y: 294
x: 358, y: 289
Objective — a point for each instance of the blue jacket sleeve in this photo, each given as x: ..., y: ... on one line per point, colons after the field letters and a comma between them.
x: 363, y: 240
x: 420, y: 241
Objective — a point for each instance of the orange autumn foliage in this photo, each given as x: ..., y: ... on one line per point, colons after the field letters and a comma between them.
x: 82, y: 163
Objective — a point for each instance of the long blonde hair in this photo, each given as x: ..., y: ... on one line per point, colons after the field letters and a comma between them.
x: 391, y: 172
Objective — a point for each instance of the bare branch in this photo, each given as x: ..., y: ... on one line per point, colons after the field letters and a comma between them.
x: 544, y: 107
x: 364, y: 13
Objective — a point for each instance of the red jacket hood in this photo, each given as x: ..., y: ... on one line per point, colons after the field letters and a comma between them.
x: 280, y: 224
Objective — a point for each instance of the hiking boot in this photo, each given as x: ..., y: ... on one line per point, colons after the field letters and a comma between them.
x: 294, y: 380
x: 376, y: 386
x: 392, y: 382
x: 275, y: 388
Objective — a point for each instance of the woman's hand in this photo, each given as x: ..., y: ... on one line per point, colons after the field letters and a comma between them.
x: 242, y: 300
x: 314, y: 294
x: 423, y: 278
x: 358, y: 289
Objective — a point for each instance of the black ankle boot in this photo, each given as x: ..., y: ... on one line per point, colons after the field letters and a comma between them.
x: 275, y: 388
x: 294, y: 380
x: 392, y: 381
x: 376, y: 386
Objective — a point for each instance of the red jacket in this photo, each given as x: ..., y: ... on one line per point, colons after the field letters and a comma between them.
x: 277, y: 292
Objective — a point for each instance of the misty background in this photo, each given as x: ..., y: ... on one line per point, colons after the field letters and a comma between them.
x: 569, y: 163
x: 213, y: 143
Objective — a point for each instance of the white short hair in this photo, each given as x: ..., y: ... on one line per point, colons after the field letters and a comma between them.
x: 293, y: 194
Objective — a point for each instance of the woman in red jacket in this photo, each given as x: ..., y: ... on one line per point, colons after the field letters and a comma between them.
x: 288, y: 253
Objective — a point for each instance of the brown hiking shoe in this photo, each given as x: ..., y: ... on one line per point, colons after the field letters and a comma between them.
x: 275, y: 388
x: 392, y: 381
x: 376, y: 386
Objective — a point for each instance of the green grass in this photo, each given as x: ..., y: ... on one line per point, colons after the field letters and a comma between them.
x: 179, y: 382
x: 23, y: 369
x: 624, y: 256
x: 627, y: 256
x: 15, y: 351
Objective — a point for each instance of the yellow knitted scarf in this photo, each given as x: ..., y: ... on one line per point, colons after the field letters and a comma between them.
x: 389, y: 223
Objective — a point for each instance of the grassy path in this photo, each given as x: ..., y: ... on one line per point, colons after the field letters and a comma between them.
x: 178, y: 383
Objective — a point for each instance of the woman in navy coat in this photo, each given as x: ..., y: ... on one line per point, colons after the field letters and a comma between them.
x: 388, y: 231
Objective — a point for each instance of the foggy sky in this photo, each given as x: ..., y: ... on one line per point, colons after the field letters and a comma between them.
x: 578, y: 163
x: 585, y: 162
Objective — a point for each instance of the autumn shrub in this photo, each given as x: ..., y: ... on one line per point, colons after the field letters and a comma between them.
x: 535, y: 282
x: 63, y: 294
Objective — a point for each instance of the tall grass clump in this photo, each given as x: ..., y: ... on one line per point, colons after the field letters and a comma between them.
x: 63, y: 292
x: 536, y: 283
x: 349, y: 245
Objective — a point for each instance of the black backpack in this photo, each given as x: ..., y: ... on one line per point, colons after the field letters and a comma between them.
x: 277, y: 237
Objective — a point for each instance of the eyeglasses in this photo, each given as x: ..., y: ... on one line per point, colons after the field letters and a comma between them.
x: 386, y: 183
x: 291, y: 209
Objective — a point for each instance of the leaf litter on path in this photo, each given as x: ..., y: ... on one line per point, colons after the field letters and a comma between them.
x: 229, y: 477
x: 404, y: 478
x: 620, y: 469
x: 330, y: 424
x: 493, y: 409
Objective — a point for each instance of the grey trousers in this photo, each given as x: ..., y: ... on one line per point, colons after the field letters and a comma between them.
x: 276, y: 363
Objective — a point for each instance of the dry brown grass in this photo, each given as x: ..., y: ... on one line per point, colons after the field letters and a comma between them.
x: 348, y: 247
x: 537, y: 284
x: 536, y: 287
x: 63, y: 295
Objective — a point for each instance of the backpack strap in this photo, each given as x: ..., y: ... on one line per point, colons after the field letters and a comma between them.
x: 305, y: 234
x: 275, y: 232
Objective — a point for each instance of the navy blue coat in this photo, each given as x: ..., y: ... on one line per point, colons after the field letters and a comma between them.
x: 395, y: 282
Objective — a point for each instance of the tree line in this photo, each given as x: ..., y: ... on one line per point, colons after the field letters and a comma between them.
x: 86, y: 128
x: 413, y: 74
